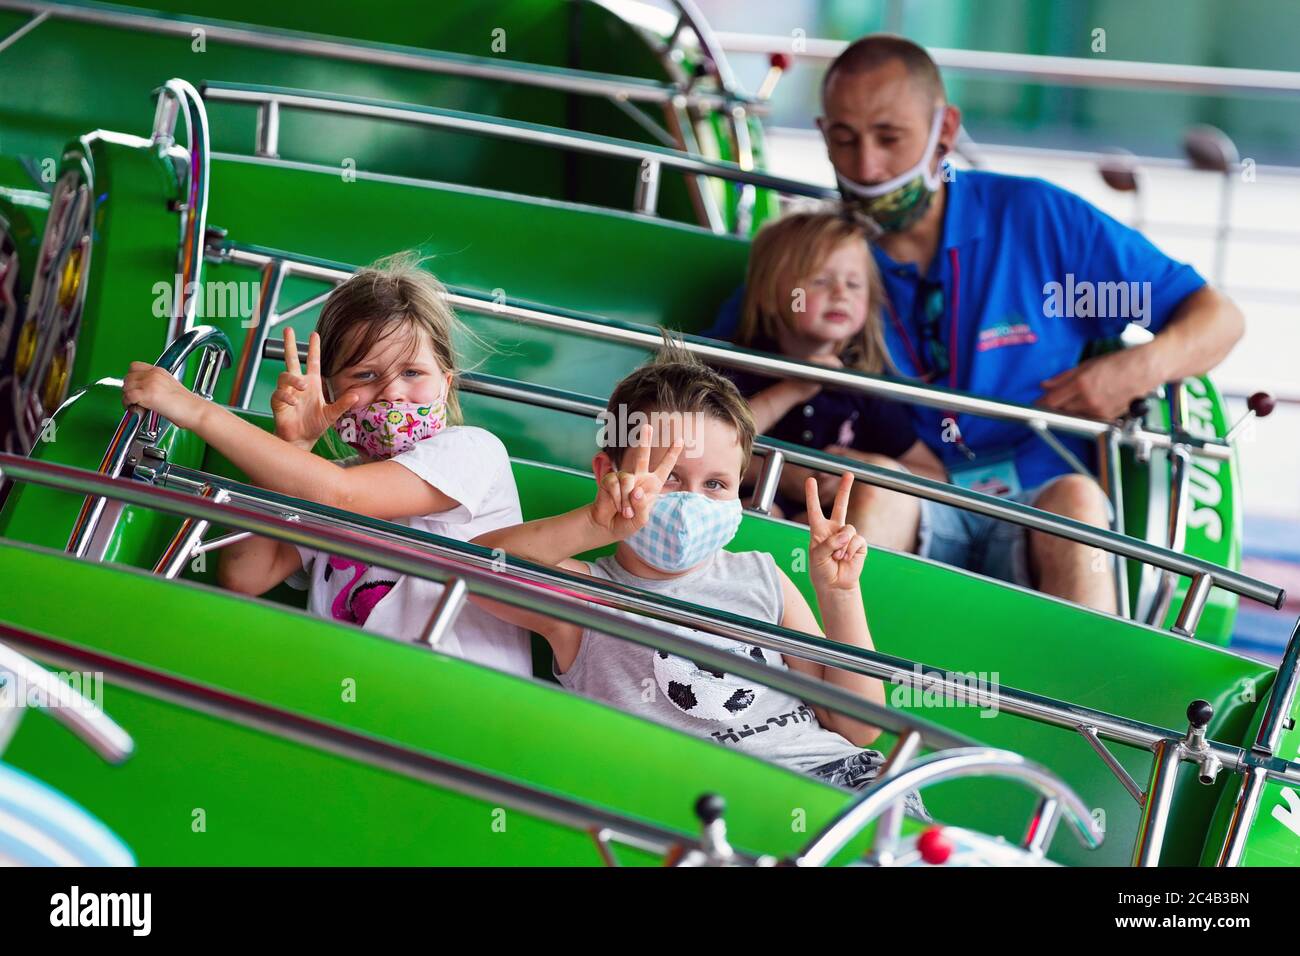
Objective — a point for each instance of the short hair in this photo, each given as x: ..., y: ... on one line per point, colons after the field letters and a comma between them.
x: 676, y: 381
x: 876, y: 50
x: 790, y: 250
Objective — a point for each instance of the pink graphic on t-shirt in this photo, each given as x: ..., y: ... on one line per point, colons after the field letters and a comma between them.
x: 354, y: 604
x: 846, y: 433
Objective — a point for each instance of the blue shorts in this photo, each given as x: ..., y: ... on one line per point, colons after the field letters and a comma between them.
x: 979, y: 543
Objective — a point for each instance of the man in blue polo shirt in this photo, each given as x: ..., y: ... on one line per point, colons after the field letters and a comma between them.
x: 997, y: 285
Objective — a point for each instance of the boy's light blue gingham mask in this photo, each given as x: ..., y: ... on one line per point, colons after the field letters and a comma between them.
x: 684, y: 529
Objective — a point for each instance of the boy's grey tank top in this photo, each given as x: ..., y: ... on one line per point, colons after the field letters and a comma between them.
x: 724, y: 708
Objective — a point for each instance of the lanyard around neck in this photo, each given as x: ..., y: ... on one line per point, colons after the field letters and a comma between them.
x: 953, y: 347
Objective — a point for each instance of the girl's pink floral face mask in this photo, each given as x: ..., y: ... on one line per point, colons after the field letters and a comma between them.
x: 386, y: 429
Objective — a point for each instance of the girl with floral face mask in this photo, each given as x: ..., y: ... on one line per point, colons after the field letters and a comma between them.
x: 378, y: 392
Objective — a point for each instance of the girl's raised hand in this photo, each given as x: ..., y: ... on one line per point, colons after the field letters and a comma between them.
x: 624, y: 499
x: 837, y: 551
x: 298, y: 403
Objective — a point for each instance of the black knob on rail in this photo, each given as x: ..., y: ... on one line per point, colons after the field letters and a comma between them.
x: 1199, y: 713
x: 709, y: 808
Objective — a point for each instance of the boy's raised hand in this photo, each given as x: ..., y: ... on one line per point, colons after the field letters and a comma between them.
x: 298, y: 403
x: 624, y: 499
x: 837, y: 550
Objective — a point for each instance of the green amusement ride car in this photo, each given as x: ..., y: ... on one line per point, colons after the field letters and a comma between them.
x: 557, y: 193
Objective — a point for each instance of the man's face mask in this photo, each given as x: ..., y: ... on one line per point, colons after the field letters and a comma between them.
x: 684, y: 529
x: 898, y: 203
x: 386, y: 429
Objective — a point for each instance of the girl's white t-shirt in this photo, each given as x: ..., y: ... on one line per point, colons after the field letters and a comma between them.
x: 471, y: 466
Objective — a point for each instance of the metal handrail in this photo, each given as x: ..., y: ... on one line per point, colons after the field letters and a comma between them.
x: 249, y: 503
x: 587, y: 325
x: 443, y: 559
x: 937, y: 768
x: 394, y: 550
x: 99, y: 731
x: 1277, y: 718
x: 818, y: 650
x: 1065, y: 70
x: 650, y: 156
x: 134, y: 425
x: 364, y: 748
x: 892, y: 480
x: 1176, y: 516
x: 177, y: 98
x: 564, y: 79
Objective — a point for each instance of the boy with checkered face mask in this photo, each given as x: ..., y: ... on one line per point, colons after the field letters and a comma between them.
x: 669, y: 497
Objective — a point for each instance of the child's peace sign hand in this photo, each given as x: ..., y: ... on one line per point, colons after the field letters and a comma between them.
x: 837, y: 550
x: 298, y: 403
x: 625, y: 498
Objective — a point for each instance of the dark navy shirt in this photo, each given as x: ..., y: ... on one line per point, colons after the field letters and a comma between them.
x: 1031, y: 275
x: 831, y: 417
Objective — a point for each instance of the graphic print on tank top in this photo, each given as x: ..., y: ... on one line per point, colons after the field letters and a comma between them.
x: 705, y: 693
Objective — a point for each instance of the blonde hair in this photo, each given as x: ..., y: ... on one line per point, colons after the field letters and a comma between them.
x: 788, y: 251
x: 675, y: 380
x: 392, y: 296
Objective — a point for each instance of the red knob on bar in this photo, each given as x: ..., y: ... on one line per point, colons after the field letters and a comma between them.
x: 935, y: 846
x: 779, y: 61
x: 1261, y: 403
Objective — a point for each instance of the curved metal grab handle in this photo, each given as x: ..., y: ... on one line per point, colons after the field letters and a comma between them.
x: 950, y: 765
x: 69, y: 707
x: 178, y: 98
x: 173, y: 359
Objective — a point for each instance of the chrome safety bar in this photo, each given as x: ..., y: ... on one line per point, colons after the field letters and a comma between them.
x: 355, y: 745
x: 520, y: 584
x: 178, y: 99
x: 1277, y: 719
x: 567, y: 80
x: 710, y: 350
x: 391, y: 546
x: 780, y: 453
x: 649, y: 158
x: 357, y: 533
x: 61, y: 701
x: 1062, y: 70
x: 134, y: 426
x: 940, y: 767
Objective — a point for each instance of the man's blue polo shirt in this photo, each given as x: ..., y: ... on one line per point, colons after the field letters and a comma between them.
x: 1031, y: 274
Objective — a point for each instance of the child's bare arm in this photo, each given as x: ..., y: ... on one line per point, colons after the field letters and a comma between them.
x: 255, y: 565
x: 835, y: 565
x: 622, y: 506
x: 547, y: 541
x: 773, y: 403
x: 382, y: 489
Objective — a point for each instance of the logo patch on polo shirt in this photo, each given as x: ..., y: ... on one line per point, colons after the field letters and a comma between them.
x: 1005, y: 333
